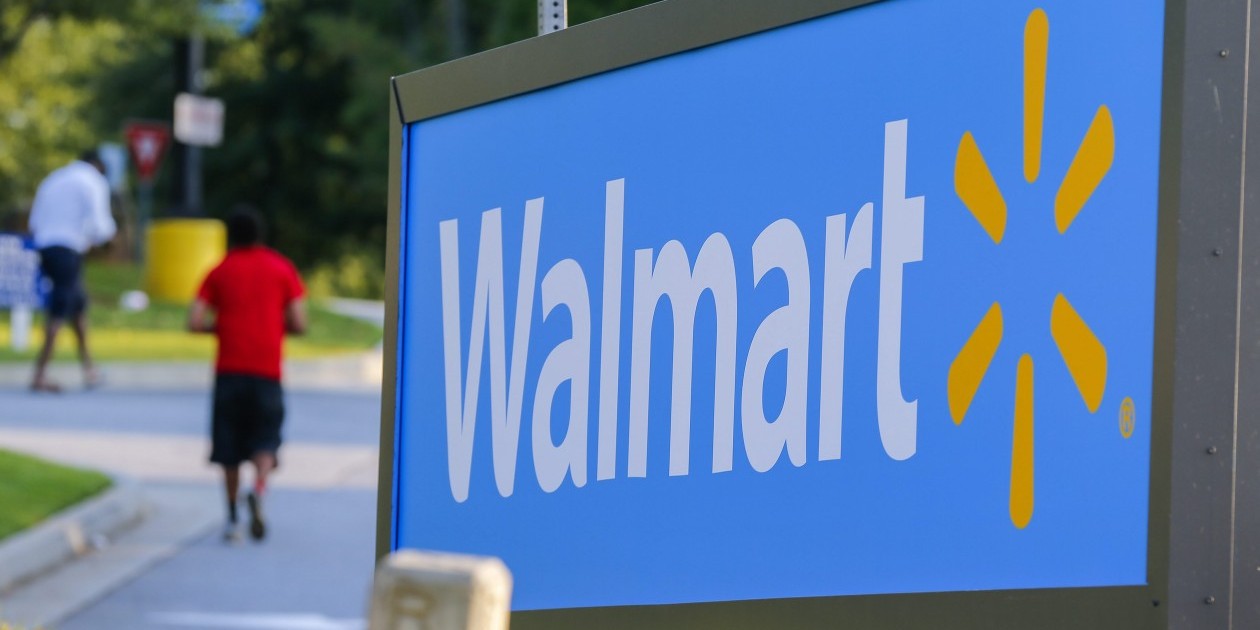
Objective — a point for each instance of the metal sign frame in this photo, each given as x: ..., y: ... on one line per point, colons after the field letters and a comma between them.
x: 1203, y: 554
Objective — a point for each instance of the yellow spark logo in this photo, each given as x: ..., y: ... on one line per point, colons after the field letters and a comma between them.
x: 1084, y: 354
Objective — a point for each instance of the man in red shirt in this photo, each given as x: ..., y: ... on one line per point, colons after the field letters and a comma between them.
x: 249, y: 301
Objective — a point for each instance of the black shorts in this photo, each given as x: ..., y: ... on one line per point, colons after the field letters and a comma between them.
x: 64, y: 267
x: 248, y: 412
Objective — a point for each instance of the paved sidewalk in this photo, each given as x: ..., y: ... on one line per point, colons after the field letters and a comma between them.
x: 172, y: 570
x: 176, y: 517
x: 372, y: 311
x: 360, y: 372
x: 148, y: 423
x: 313, y: 573
x: 164, y: 458
x: 71, y: 533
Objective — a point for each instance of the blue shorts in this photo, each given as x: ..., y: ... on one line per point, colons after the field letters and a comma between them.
x: 64, y: 267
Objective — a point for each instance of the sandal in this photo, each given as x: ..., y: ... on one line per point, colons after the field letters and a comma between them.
x: 93, y: 379
x: 46, y: 387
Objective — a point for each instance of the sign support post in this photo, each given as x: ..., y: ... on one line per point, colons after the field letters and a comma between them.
x: 186, y: 188
x: 147, y: 141
x: 20, y: 327
x: 144, y: 213
x: 553, y: 15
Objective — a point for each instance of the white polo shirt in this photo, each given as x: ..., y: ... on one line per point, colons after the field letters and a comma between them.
x: 71, y: 209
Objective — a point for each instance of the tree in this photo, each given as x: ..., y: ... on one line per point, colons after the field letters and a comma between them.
x: 52, y: 96
x: 307, y: 114
x: 42, y: 101
x: 306, y: 134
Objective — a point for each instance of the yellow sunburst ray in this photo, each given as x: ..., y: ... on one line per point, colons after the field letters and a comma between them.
x: 1021, y: 500
x: 1036, y: 49
x: 974, y: 183
x: 1082, y: 351
x: 1092, y: 161
x: 972, y: 362
x: 1084, y: 354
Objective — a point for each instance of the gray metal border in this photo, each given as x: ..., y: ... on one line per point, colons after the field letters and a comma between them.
x: 1204, y: 525
x: 1202, y: 182
x: 1245, y: 605
x: 647, y: 33
x: 389, y: 375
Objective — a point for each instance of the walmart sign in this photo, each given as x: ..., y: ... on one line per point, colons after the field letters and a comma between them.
x: 859, y: 305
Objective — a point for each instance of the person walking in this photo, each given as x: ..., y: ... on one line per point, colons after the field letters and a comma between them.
x: 249, y: 302
x: 70, y: 215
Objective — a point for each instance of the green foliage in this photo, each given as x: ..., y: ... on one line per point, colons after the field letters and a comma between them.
x: 353, y: 275
x: 34, y: 489
x: 165, y: 17
x: 307, y: 129
x: 17, y: 17
x: 42, y: 98
x: 53, y: 104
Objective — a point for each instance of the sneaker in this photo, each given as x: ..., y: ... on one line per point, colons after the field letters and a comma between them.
x: 92, y: 379
x: 257, y: 528
x: 232, y: 534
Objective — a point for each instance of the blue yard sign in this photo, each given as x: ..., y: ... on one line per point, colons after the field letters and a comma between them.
x: 19, y: 273
x: 860, y: 305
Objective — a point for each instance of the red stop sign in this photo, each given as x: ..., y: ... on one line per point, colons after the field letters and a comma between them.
x: 147, y: 142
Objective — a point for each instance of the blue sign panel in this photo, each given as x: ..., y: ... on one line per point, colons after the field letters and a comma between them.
x: 19, y: 272
x: 860, y: 305
x: 241, y: 16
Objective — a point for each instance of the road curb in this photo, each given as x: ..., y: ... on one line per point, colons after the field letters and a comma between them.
x: 69, y: 534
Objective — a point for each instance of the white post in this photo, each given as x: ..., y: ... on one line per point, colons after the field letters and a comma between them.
x: 417, y: 590
x: 19, y: 326
x: 553, y: 15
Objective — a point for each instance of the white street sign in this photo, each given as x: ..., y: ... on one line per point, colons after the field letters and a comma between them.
x: 198, y: 120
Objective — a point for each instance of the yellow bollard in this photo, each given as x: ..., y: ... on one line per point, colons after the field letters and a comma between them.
x: 180, y: 254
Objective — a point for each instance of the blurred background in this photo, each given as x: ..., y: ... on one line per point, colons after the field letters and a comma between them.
x: 295, y: 97
x: 304, y: 84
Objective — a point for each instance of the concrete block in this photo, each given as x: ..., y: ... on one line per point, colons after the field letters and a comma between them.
x: 418, y: 590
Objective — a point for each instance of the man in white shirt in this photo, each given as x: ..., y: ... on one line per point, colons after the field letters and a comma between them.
x: 70, y: 216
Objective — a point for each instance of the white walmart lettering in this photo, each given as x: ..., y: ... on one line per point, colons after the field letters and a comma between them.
x: 669, y: 274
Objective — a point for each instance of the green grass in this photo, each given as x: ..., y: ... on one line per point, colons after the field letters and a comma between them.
x: 34, y: 489
x: 157, y: 333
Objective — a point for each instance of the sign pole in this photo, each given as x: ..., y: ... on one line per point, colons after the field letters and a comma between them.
x: 186, y: 191
x: 147, y: 141
x: 144, y: 211
x: 19, y: 327
x: 553, y: 15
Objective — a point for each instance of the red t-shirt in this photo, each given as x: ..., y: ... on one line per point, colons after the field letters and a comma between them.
x: 250, y: 291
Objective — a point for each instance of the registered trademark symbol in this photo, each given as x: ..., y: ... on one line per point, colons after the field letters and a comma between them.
x: 1127, y: 417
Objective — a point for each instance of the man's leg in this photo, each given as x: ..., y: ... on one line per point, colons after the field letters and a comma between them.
x: 227, y: 448
x: 232, y: 485
x: 79, y: 324
x: 269, y: 417
x: 264, y: 463
x: 61, y: 266
x: 40, y: 382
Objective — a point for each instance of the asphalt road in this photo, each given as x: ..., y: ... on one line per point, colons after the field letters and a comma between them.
x: 312, y: 573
